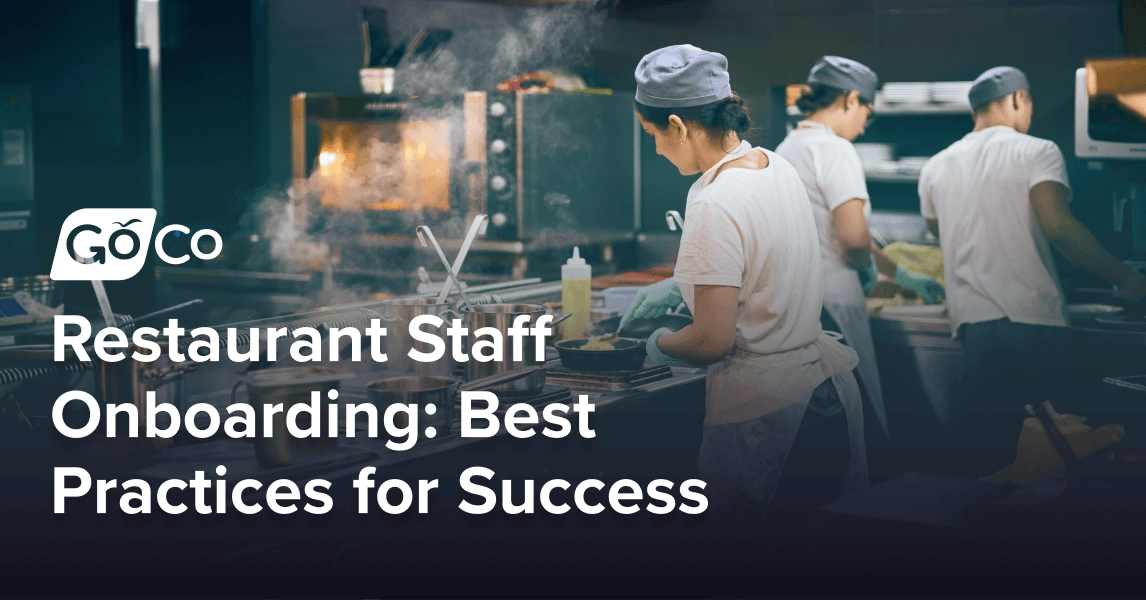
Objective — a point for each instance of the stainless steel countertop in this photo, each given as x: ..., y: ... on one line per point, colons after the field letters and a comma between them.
x: 938, y: 327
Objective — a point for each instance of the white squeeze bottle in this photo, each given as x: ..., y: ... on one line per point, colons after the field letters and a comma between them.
x: 575, y: 295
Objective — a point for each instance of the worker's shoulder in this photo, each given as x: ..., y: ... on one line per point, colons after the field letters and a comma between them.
x: 1005, y: 143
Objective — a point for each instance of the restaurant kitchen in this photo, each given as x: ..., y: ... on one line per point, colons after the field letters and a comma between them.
x: 465, y: 163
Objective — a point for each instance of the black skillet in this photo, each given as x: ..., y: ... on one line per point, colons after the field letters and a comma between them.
x: 627, y: 355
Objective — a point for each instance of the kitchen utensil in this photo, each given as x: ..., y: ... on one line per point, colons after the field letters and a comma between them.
x: 288, y: 387
x: 641, y: 327
x: 478, y: 226
x: 436, y: 391
x: 1091, y: 311
x: 424, y: 232
x: 1126, y: 322
x: 133, y: 321
x: 627, y: 355
x: 104, y: 305
x: 1045, y: 414
x: 501, y: 317
x: 397, y: 314
x: 560, y: 319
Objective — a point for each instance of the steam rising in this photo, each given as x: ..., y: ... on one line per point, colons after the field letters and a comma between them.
x: 490, y: 43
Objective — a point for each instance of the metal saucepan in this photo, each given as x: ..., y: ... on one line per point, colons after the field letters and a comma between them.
x: 440, y: 392
x: 397, y: 314
x: 641, y: 327
x: 288, y: 387
x: 501, y: 317
x: 627, y: 355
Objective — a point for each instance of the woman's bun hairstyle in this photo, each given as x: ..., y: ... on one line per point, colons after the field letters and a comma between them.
x: 817, y: 97
x: 717, y: 118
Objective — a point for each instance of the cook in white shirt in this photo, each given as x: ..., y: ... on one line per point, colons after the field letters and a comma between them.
x: 837, y: 104
x: 749, y: 270
x: 999, y: 199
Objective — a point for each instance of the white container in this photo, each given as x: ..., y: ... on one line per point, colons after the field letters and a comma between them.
x: 576, y: 295
x: 620, y: 298
x: 376, y: 81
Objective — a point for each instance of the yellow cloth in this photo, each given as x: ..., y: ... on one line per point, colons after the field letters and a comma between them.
x: 917, y: 258
x: 1036, y: 456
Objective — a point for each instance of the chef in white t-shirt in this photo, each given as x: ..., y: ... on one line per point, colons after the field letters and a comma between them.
x: 999, y: 199
x: 837, y: 104
x: 749, y: 270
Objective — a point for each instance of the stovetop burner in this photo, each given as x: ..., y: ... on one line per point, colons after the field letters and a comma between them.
x: 607, y: 380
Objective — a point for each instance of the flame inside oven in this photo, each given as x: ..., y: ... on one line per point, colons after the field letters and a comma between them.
x: 391, y: 166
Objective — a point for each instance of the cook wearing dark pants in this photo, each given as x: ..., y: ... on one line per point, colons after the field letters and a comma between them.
x: 1006, y: 366
x: 999, y: 199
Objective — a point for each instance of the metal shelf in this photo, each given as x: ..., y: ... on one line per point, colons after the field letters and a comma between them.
x: 897, y: 178
x: 931, y: 108
x: 883, y: 109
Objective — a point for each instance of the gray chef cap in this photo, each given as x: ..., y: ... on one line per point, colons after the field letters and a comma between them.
x: 682, y: 76
x: 996, y: 83
x: 845, y: 74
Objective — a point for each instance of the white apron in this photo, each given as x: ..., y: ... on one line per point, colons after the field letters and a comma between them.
x: 748, y: 385
x: 783, y: 383
x: 844, y: 301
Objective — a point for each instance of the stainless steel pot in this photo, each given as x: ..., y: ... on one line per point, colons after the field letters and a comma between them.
x: 501, y: 317
x: 128, y: 381
x: 288, y: 387
x: 396, y: 315
x: 441, y: 392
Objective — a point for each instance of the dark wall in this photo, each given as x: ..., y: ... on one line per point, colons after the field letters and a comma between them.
x: 208, y: 111
x: 71, y: 55
x: 89, y: 86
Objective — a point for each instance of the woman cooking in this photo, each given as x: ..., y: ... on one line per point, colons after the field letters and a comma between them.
x: 838, y: 103
x: 748, y: 270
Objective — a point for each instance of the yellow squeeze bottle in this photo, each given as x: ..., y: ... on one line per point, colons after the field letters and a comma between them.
x: 575, y: 295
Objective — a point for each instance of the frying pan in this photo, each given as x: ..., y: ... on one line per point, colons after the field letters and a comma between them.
x: 627, y: 355
x: 639, y: 328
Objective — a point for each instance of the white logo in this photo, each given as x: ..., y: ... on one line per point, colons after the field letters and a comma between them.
x: 110, y: 244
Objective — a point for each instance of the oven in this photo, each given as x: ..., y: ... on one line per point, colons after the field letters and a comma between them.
x: 539, y: 164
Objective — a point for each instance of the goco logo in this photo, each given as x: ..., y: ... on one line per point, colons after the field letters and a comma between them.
x: 110, y: 244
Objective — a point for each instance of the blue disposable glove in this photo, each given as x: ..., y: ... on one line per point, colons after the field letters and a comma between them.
x: 653, y: 301
x: 868, y: 275
x: 654, y: 351
x: 925, y: 286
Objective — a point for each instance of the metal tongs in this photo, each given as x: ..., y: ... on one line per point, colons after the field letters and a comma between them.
x: 674, y: 220
x: 424, y: 232
x: 478, y: 227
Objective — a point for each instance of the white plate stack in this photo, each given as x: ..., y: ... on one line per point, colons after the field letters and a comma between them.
x: 876, y: 159
x: 950, y: 92
x: 870, y: 153
x: 907, y: 93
